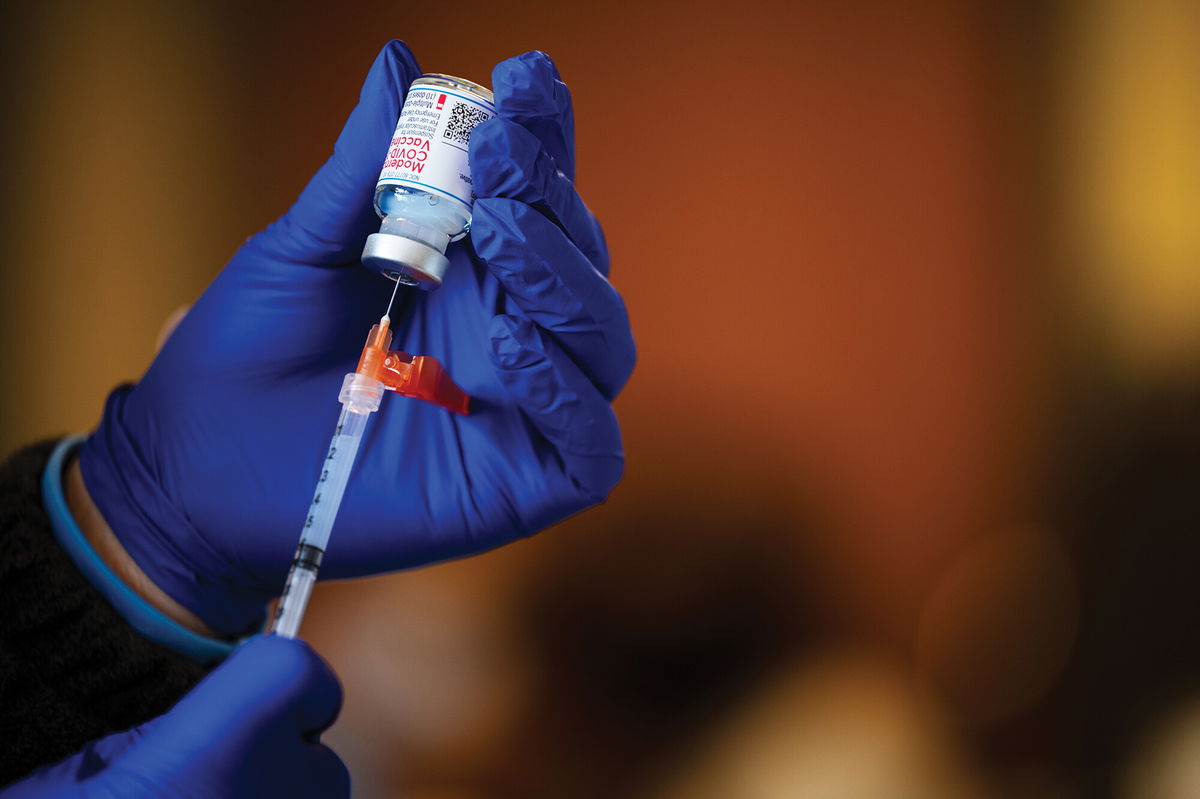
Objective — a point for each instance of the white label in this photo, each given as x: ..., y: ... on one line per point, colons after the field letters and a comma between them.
x: 429, y: 148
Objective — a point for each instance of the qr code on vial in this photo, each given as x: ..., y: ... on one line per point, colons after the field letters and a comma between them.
x: 463, y: 119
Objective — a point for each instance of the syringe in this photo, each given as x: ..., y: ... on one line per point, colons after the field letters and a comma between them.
x: 360, y: 397
x: 378, y: 370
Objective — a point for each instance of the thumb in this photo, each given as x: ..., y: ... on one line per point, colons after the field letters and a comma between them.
x: 268, y: 683
x: 333, y: 215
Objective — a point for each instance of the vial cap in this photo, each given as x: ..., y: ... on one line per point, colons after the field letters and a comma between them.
x: 404, y: 259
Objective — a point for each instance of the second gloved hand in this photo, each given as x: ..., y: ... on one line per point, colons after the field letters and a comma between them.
x: 205, y: 469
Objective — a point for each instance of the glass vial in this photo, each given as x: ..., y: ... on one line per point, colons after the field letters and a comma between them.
x: 424, y: 191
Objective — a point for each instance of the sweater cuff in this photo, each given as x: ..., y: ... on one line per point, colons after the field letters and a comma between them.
x: 141, y: 615
x: 72, y: 670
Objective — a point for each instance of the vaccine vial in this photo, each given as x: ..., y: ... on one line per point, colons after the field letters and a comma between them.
x: 424, y: 192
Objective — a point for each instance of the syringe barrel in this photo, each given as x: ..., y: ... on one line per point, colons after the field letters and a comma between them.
x: 294, y: 601
x: 360, y: 397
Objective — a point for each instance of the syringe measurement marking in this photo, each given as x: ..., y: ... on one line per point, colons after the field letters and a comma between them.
x: 330, y: 486
x: 319, y: 523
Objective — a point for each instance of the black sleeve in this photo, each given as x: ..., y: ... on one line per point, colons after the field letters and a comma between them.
x: 71, y: 669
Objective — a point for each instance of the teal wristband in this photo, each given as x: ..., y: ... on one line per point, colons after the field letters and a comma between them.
x: 141, y: 615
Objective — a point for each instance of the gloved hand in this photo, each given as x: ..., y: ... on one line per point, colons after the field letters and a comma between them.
x: 248, y: 729
x: 205, y: 468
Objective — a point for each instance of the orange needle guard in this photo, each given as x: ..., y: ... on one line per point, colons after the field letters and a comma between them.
x: 420, y: 376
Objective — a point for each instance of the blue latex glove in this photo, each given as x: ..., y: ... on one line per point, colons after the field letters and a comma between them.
x: 248, y: 729
x: 205, y: 469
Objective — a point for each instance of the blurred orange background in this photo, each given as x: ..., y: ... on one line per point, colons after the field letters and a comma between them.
x: 877, y: 257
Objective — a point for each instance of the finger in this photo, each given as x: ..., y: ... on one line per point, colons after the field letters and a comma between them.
x: 530, y: 92
x: 273, y: 679
x: 561, y: 403
x: 555, y: 285
x: 333, y: 215
x: 509, y: 161
x: 306, y: 685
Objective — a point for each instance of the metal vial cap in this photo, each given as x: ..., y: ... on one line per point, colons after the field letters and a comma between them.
x: 406, y: 260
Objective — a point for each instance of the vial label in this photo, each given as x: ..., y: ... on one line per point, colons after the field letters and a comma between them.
x: 429, y: 148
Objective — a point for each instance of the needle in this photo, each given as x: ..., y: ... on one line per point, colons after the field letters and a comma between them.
x: 387, y: 314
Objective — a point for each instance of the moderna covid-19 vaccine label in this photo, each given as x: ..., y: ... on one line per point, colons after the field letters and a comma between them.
x: 429, y: 148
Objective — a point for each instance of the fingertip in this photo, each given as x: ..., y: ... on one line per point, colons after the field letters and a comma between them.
x: 539, y: 59
x: 333, y: 215
x: 529, y: 86
x: 302, y: 678
x: 529, y: 72
x: 530, y: 92
x: 383, y: 90
x: 396, y: 60
x: 398, y: 50
x: 529, y: 77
